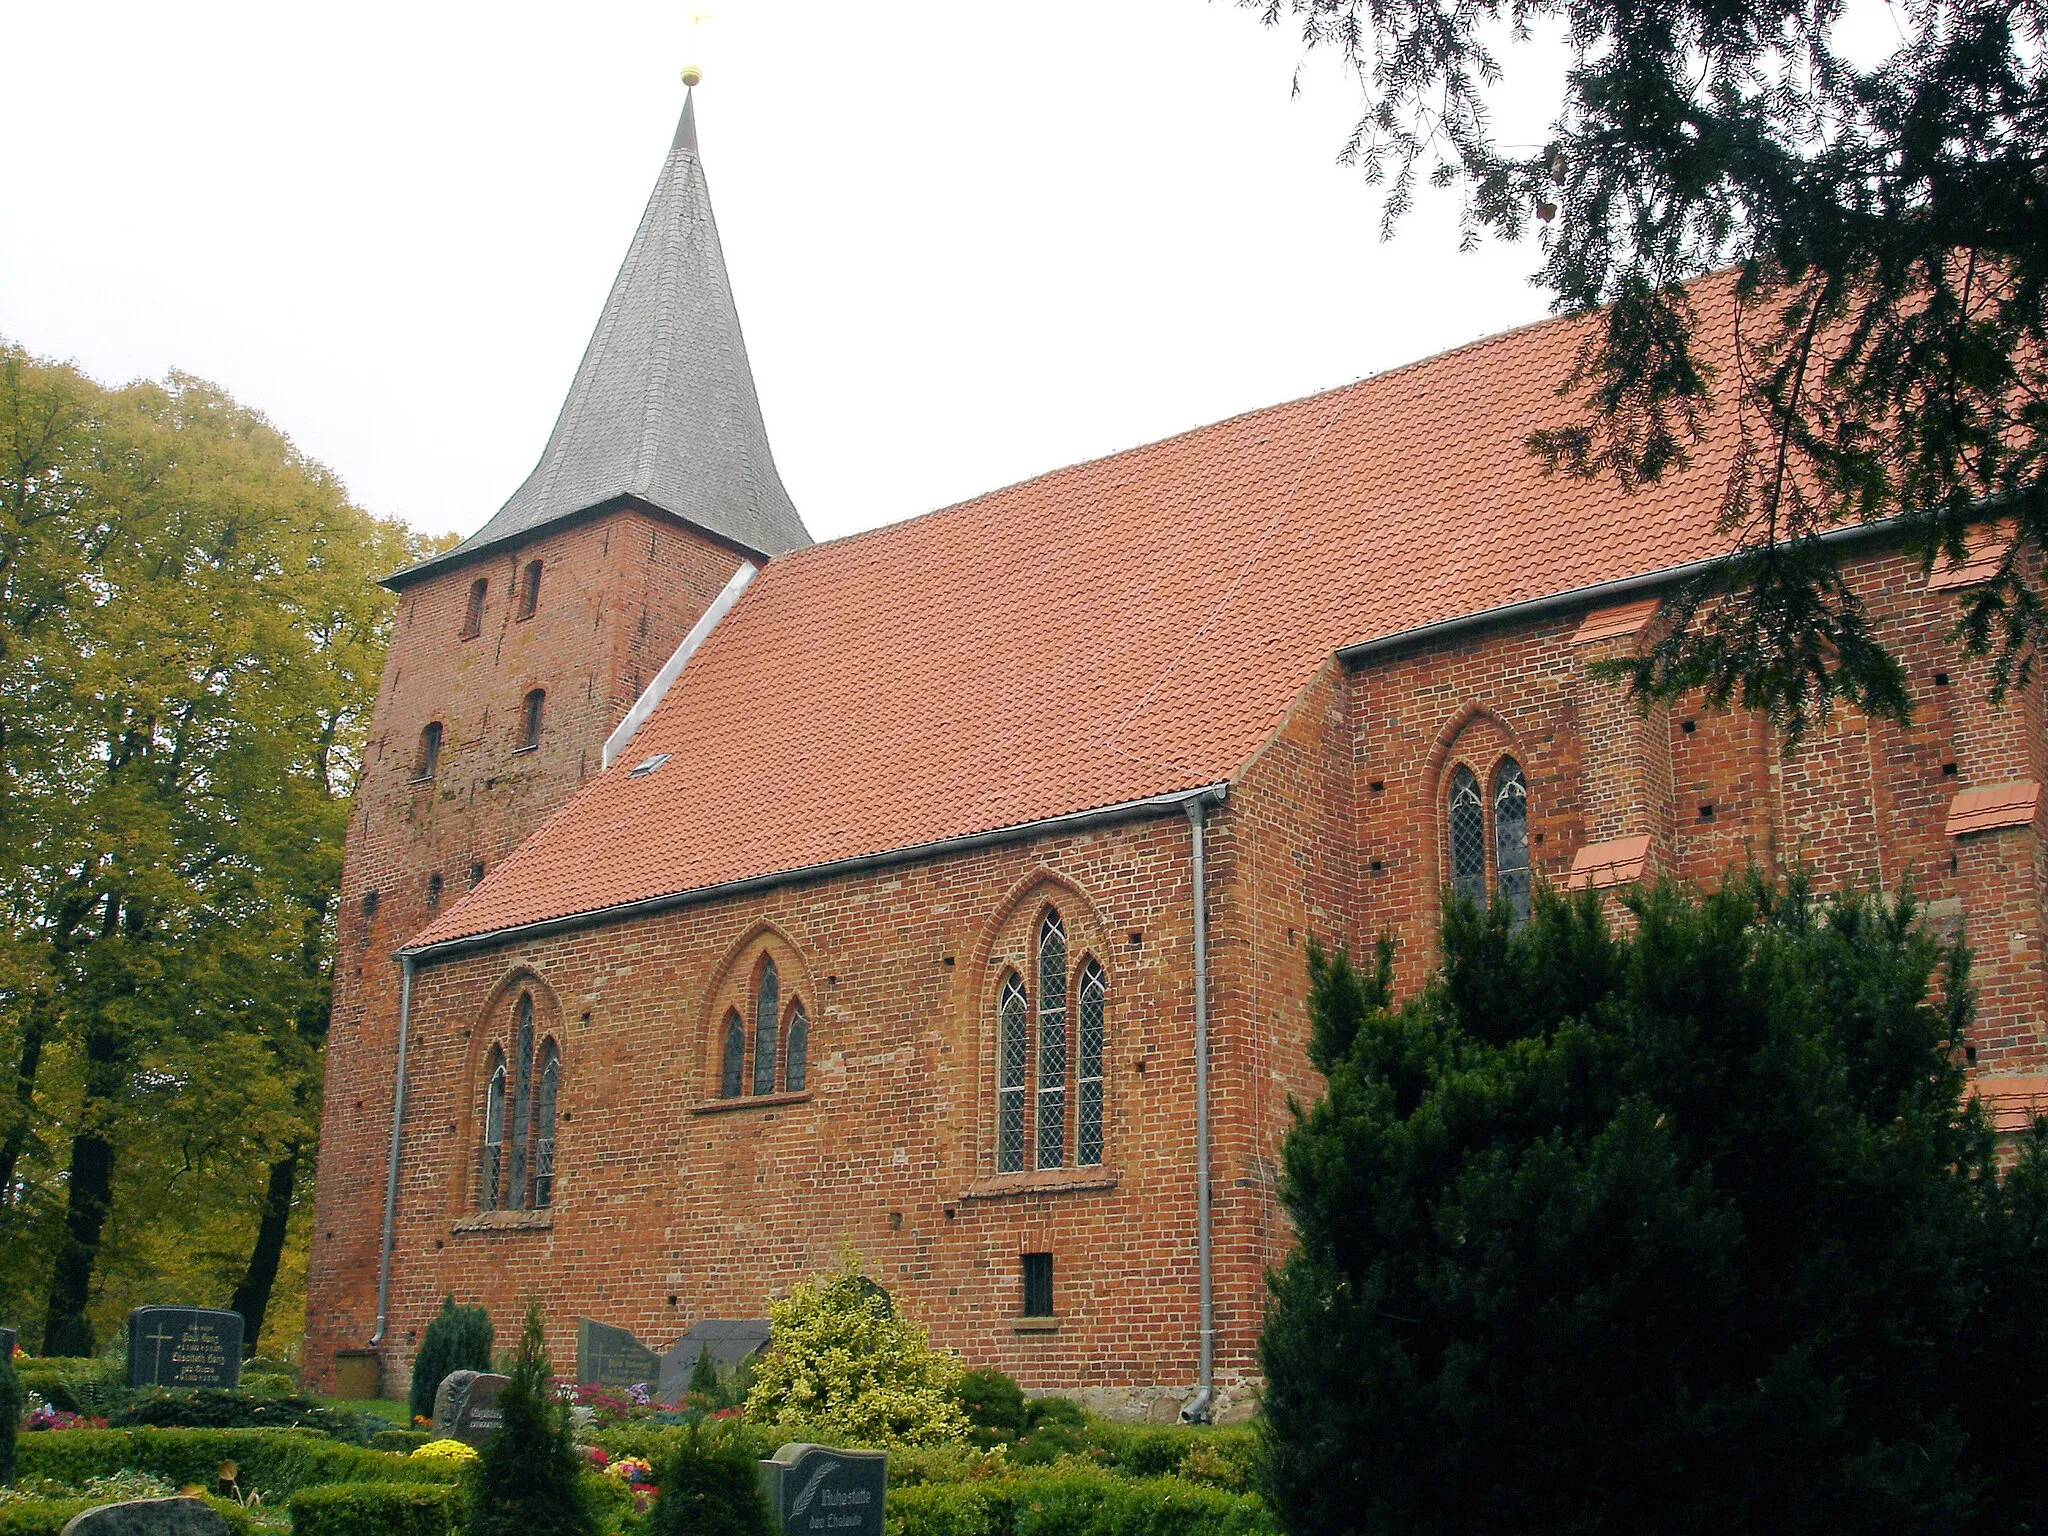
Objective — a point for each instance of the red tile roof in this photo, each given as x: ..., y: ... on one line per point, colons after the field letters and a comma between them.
x: 1115, y: 630
x: 1992, y: 806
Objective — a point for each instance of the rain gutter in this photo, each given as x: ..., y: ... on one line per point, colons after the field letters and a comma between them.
x: 1197, y: 1408
x: 405, y: 969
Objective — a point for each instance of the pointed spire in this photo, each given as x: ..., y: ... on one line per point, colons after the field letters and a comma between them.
x: 662, y: 410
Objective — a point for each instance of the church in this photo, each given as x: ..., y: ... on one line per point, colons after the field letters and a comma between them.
x: 716, y: 901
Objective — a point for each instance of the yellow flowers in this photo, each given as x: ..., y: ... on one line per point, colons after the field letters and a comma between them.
x: 445, y: 1450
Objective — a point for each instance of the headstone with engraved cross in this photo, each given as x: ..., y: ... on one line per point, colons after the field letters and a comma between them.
x: 184, y: 1347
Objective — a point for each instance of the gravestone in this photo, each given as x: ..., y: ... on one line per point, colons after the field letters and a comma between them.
x: 184, y: 1347
x: 814, y: 1489
x: 466, y: 1406
x: 149, y: 1517
x: 8, y: 1339
x: 612, y: 1357
x: 730, y: 1342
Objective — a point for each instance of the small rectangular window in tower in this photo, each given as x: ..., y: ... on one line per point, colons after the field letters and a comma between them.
x: 473, y: 619
x: 529, y: 720
x: 1037, y: 1285
x: 429, y: 761
x: 529, y: 590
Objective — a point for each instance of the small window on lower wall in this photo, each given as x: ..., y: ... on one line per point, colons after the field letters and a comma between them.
x: 1037, y: 1285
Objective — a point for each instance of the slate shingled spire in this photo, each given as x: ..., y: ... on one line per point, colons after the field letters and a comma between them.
x: 662, y: 411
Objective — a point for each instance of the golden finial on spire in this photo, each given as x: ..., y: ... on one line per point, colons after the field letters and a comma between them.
x: 692, y: 74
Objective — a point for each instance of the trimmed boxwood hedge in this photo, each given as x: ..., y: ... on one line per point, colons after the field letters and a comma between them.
x: 277, y: 1461
x: 1075, y: 1503
x: 379, y: 1509
x: 48, y: 1517
x: 405, y: 1440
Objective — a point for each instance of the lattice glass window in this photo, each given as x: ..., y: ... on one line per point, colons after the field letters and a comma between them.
x: 1511, y: 836
x: 544, y: 1125
x: 732, y: 1081
x: 1013, y: 1056
x: 796, y: 1049
x: 491, y: 1158
x: 1088, y: 1065
x: 767, y: 1014
x: 522, y: 1100
x: 1052, y: 1040
x: 1468, y: 836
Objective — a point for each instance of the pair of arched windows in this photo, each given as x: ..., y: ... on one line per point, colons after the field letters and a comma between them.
x: 518, y: 1159
x: 479, y: 594
x: 781, y: 1041
x: 1468, y: 814
x: 1032, y: 1058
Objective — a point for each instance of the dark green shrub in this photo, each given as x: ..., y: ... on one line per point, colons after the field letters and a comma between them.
x: 704, y: 1374
x: 994, y: 1405
x: 377, y: 1509
x: 48, y: 1517
x: 12, y: 1401
x: 218, y: 1408
x: 950, y: 1509
x: 710, y: 1485
x: 1062, y: 1412
x: 1098, y: 1504
x: 405, y: 1441
x: 276, y: 1462
x: 457, y: 1339
x: 1056, y: 1427
x: 1222, y: 1458
x: 528, y: 1482
x: 91, y: 1387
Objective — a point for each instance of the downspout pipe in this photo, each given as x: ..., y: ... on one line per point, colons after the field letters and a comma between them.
x: 405, y: 965
x: 1197, y: 1408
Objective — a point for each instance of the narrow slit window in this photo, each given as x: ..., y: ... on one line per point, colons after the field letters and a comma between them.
x: 1037, y: 1284
x: 1468, y: 836
x: 733, y: 1075
x: 433, y: 890
x: 796, y: 1049
x: 473, y: 617
x: 1052, y: 1041
x: 491, y: 1159
x: 1511, y: 837
x: 522, y: 1100
x: 529, y: 590
x: 1013, y: 1053
x: 530, y: 718
x: 1088, y: 1026
x: 428, y: 762
x: 767, y: 1008
x: 544, y: 1126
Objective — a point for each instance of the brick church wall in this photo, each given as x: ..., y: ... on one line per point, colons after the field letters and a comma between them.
x: 617, y: 595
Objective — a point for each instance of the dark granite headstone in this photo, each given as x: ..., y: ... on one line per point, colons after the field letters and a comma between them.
x: 730, y: 1342
x: 611, y: 1357
x: 149, y: 1517
x: 184, y: 1347
x: 466, y: 1406
x: 813, y: 1489
x: 8, y: 1340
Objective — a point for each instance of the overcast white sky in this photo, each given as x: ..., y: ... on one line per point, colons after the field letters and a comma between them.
x: 971, y: 241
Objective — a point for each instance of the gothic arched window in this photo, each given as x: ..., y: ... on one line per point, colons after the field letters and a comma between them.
x: 1511, y: 837
x: 1013, y: 1052
x: 732, y: 1077
x: 529, y: 591
x: 544, y: 1125
x: 1088, y: 1030
x: 473, y: 618
x: 1052, y: 1040
x: 522, y: 1099
x: 796, y: 1047
x: 491, y: 1165
x: 529, y: 719
x: 428, y: 762
x: 767, y: 1012
x: 1467, y: 836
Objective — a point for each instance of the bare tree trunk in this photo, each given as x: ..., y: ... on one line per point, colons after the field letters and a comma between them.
x: 252, y: 1296
x: 35, y: 1031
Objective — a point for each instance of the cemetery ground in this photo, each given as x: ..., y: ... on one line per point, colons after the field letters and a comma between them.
x: 175, y: 1412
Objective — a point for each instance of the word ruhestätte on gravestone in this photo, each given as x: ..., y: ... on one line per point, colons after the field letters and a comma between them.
x: 814, y: 1489
x: 149, y: 1517
x: 184, y: 1347
x: 612, y: 1357
x: 466, y: 1406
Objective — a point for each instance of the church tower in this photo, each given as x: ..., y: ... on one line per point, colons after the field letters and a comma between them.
x: 514, y: 657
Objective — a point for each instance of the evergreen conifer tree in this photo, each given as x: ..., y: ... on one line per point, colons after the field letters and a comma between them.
x: 1689, y: 1230
x: 457, y: 1339
x: 528, y: 1481
x: 704, y: 1374
x: 710, y: 1485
